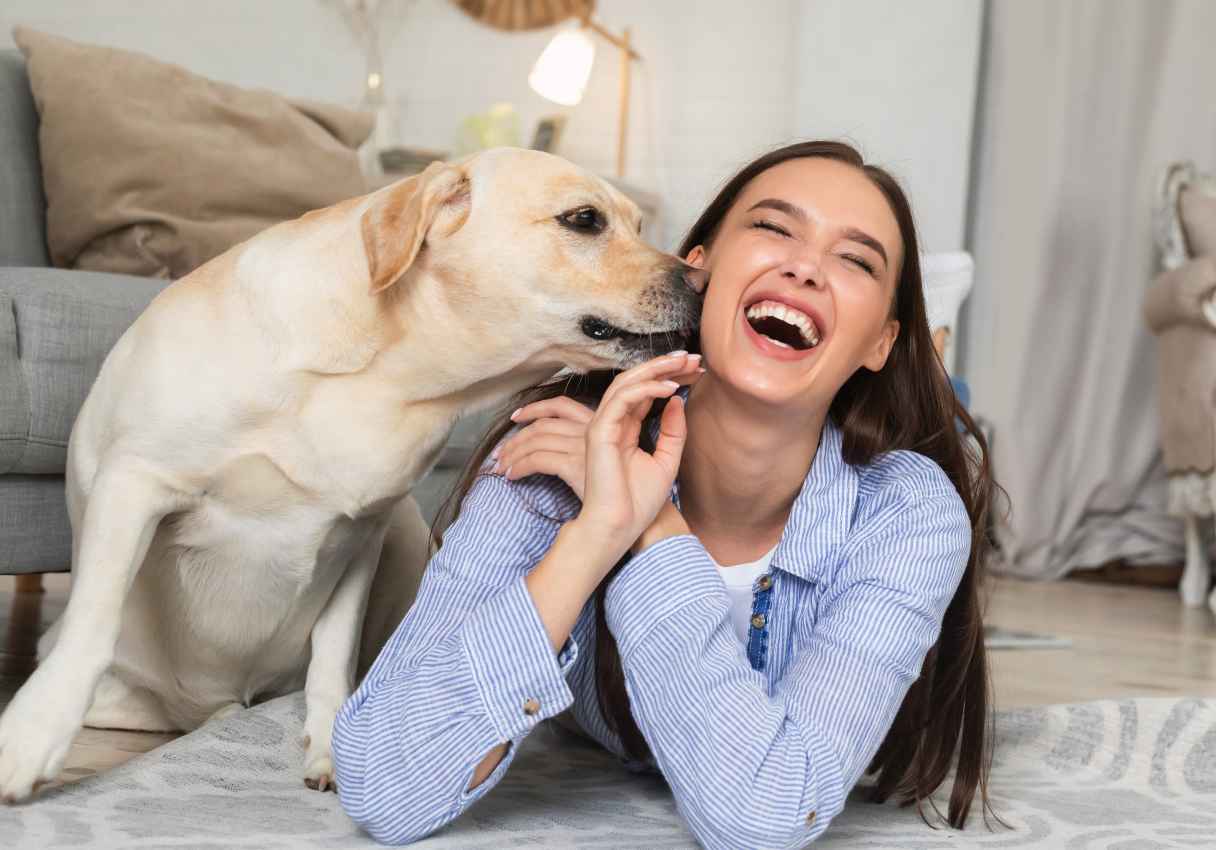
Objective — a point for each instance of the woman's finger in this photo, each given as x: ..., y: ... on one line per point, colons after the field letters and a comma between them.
x: 686, y: 379
x: 657, y: 369
x: 566, y: 444
x: 547, y: 463
x: 559, y: 407
x: 627, y: 408
x: 673, y: 430
x: 563, y: 427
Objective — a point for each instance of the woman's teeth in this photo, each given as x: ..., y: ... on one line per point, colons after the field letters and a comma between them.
x: 789, y: 315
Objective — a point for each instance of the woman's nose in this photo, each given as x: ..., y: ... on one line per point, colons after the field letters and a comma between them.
x: 803, y: 268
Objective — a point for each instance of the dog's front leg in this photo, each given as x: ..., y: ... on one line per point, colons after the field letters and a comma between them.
x: 331, y: 671
x: 124, y: 508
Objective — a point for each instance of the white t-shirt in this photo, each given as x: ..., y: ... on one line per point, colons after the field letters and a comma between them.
x: 739, y: 580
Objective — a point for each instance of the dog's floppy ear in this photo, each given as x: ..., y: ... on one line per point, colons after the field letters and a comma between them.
x: 396, y: 225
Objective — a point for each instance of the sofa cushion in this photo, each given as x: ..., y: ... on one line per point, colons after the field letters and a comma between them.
x: 152, y: 170
x: 35, y: 534
x: 22, y: 204
x: 56, y: 328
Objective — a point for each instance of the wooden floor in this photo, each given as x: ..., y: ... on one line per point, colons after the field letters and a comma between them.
x: 1126, y: 642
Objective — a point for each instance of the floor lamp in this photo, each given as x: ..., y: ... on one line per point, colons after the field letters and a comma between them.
x: 562, y: 71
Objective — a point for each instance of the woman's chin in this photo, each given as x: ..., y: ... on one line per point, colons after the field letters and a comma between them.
x: 760, y: 382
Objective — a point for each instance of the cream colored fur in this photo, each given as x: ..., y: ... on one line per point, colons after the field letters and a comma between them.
x: 251, y: 441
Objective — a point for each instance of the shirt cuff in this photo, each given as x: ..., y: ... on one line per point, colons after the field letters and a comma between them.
x: 521, y: 680
x: 657, y: 582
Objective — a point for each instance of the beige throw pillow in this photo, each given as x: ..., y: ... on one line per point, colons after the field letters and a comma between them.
x: 152, y: 170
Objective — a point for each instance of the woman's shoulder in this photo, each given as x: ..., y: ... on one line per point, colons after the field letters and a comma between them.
x: 903, y: 481
x: 546, y: 497
x: 907, y: 506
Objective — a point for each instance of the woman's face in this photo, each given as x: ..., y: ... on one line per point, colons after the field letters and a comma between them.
x: 802, y: 273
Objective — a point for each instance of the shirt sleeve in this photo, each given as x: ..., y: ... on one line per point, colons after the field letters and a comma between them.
x: 469, y: 667
x: 750, y: 767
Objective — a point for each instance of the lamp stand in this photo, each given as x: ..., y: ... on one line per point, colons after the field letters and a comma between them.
x: 623, y: 116
x: 627, y: 55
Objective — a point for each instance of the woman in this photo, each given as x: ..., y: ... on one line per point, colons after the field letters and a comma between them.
x: 815, y: 452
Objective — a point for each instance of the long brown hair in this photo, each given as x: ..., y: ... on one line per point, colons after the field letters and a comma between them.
x: 945, y: 719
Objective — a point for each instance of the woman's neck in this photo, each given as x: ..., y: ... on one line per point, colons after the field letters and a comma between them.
x: 743, y: 466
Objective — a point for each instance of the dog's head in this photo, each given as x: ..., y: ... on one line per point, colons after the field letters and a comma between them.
x: 535, y: 258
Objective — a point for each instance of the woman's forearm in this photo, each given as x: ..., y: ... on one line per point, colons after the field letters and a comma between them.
x: 560, y: 586
x: 565, y: 578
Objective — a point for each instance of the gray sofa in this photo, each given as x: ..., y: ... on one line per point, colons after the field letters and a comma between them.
x: 56, y: 327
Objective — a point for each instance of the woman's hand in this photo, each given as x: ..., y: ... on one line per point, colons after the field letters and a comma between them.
x: 552, y: 443
x: 553, y: 440
x: 625, y: 486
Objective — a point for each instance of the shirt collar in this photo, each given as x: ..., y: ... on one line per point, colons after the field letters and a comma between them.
x: 822, y: 512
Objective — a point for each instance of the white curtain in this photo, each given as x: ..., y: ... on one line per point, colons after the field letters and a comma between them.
x: 1082, y: 104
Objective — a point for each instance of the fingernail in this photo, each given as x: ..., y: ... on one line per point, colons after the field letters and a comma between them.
x: 694, y: 357
x: 700, y: 368
x: 672, y: 384
x: 676, y: 353
x: 494, y: 454
x: 515, y: 413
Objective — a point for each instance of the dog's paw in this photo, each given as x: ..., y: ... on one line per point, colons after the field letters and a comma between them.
x: 318, y: 745
x: 319, y: 773
x: 34, y: 742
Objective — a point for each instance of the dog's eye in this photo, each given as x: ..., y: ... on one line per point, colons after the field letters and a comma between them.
x: 584, y: 220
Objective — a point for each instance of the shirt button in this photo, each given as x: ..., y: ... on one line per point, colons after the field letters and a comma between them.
x: 758, y: 621
x: 766, y: 582
x: 531, y: 706
x: 810, y: 819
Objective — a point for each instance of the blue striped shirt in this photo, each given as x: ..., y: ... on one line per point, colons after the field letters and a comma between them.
x: 760, y: 744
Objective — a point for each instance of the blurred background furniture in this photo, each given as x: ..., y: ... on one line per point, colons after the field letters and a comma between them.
x: 56, y: 327
x: 1068, y: 150
x: 947, y: 278
x: 1180, y: 308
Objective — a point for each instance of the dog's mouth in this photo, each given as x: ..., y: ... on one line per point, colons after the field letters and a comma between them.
x: 673, y: 303
x: 784, y: 325
x: 659, y: 342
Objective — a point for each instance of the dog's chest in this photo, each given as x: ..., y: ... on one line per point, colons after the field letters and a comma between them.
x: 254, y: 512
x: 253, y: 564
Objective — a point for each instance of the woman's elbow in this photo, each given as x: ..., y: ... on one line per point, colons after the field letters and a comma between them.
x: 392, y: 807
x: 719, y: 835
x: 748, y: 821
x: 394, y: 832
x: 395, y: 818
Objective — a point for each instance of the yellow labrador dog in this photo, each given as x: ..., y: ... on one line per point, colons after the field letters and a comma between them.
x: 239, y: 474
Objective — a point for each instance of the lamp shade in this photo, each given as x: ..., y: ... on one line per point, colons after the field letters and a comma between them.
x: 562, y: 71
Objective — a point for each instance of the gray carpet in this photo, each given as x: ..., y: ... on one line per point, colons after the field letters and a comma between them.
x: 1131, y: 775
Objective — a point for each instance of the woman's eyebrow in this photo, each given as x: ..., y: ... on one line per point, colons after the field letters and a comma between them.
x: 781, y: 206
x: 799, y: 213
x: 866, y: 239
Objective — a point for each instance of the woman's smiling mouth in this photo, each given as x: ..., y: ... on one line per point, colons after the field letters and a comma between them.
x: 781, y: 330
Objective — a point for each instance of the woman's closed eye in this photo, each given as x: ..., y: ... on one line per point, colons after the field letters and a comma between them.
x: 860, y: 262
x: 764, y: 224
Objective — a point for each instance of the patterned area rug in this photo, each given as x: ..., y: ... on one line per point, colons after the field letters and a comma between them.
x: 1132, y: 775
